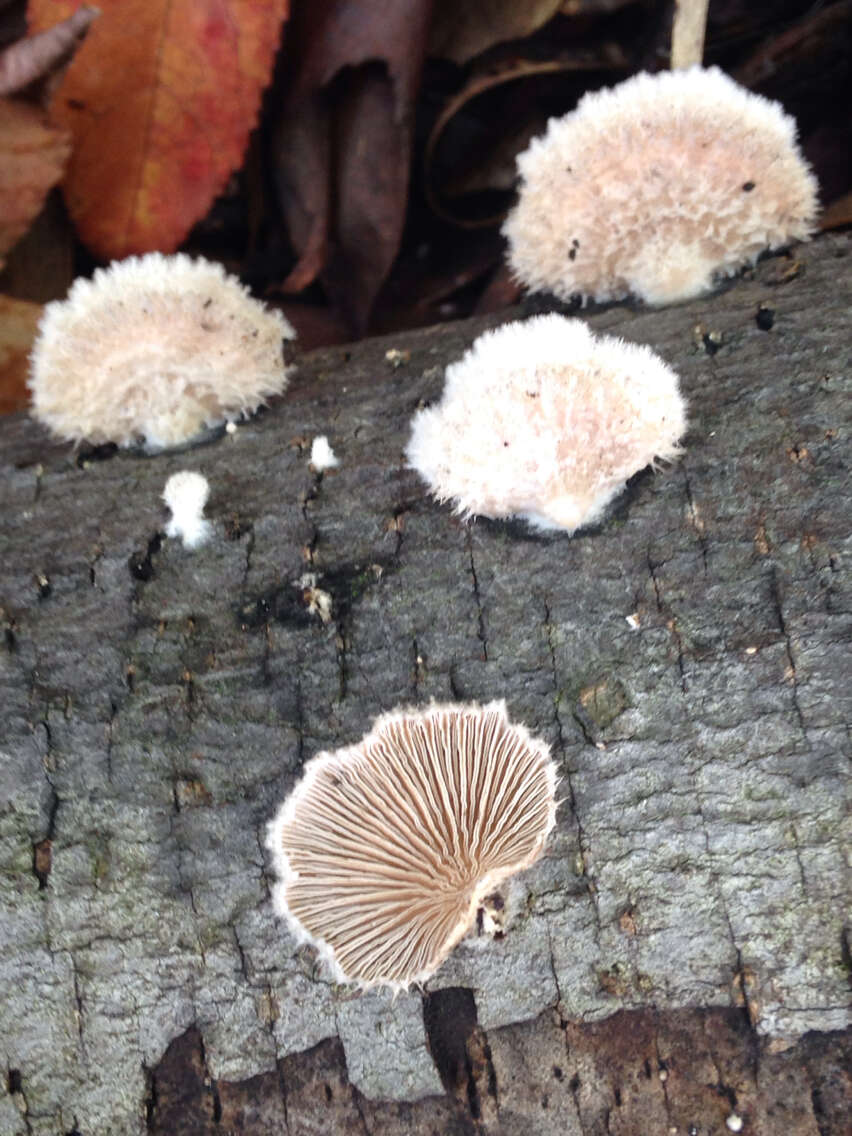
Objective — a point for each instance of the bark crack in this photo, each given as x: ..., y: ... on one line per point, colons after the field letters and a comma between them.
x: 15, y: 1089
x: 185, y: 886
x: 797, y: 848
x: 695, y: 518
x: 743, y: 979
x: 480, y: 615
x: 210, y: 1081
x: 113, y: 714
x: 78, y: 1012
x: 560, y: 1006
x: 778, y: 605
x: 282, y: 1080
x: 671, y: 623
x: 353, y: 1092
x: 582, y: 840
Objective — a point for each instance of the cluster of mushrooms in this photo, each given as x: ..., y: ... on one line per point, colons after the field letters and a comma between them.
x: 656, y: 188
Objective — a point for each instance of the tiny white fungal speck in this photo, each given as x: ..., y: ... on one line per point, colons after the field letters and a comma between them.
x: 230, y: 427
x: 734, y: 1123
x: 322, y: 455
x: 633, y: 621
x: 186, y: 495
x: 397, y: 358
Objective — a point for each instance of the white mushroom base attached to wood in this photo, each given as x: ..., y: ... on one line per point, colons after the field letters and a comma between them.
x: 385, y: 849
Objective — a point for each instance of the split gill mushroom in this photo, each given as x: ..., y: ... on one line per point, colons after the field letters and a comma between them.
x: 385, y: 849
x: 154, y: 349
x: 546, y: 421
x: 658, y: 187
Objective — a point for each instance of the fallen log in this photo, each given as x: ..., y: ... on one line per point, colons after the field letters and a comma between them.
x: 679, y: 956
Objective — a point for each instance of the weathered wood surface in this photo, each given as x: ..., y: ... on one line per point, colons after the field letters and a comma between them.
x: 690, y: 917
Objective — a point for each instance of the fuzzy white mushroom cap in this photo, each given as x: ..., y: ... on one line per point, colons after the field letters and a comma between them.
x: 385, y: 849
x: 156, y: 348
x: 186, y: 495
x: 657, y: 186
x: 544, y: 420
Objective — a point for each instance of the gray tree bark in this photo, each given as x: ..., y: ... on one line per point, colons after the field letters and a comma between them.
x: 688, y: 925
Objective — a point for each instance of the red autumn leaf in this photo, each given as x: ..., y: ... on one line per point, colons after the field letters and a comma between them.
x: 160, y: 99
x: 33, y: 153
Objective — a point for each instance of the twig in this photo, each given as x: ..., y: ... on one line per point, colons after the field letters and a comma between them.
x: 688, y: 28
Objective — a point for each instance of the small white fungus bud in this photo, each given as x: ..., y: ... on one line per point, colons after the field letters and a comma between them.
x: 322, y: 455
x: 186, y: 495
x: 734, y: 1123
x: 656, y: 187
x: 157, y: 348
x: 545, y: 421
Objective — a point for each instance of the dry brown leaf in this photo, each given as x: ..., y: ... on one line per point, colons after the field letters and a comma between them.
x: 343, y: 144
x: 811, y: 44
x: 462, y: 30
x: 838, y: 214
x: 33, y: 155
x: 501, y: 292
x: 18, y: 323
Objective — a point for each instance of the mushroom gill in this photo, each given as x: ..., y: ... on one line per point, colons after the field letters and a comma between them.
x: 385, y: 849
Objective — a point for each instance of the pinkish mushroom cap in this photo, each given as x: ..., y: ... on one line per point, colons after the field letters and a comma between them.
x: 543, y: 420
x: 155, y: 349
x: 385, y: 849
x: 656, y: 187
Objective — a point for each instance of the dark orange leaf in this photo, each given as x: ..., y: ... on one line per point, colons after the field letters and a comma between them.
x: 33, y: 153
x: 160, y: 99
x: 18, y: 323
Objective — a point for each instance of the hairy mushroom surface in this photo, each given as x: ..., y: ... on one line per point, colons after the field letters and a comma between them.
x: 155, y: 349
x: 656, y: 187
x: 385, y: 849
x: 544, y: 420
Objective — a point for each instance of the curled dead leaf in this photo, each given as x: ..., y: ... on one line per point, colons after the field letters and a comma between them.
x: 33, y: 155
x: 482, y: 158
x: 838, y: 214
x: 36, y: 56
x: 461, y: 31
x: 342, y: 144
